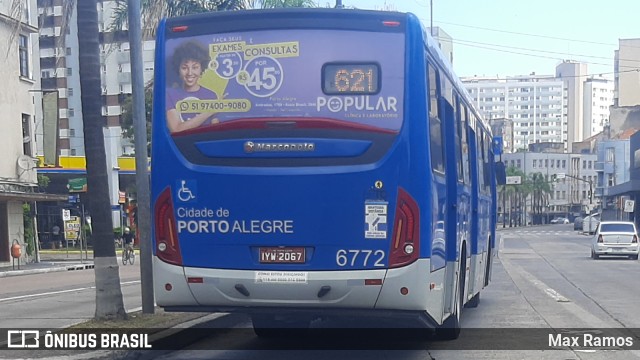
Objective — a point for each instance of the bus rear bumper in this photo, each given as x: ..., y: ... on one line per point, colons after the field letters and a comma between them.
x: 332, y: 293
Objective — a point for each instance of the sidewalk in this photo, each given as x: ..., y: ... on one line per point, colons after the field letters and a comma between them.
x: 50, y: 261
x: 45, y: 267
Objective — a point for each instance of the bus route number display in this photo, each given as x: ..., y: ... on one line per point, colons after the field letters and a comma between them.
x: 346, y: 79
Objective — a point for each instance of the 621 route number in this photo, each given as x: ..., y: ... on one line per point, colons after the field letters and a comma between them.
x: 359, y: 257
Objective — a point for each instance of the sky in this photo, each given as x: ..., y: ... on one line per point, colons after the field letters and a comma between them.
x: 516, y: 37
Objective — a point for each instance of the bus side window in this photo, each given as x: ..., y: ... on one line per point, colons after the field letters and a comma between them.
x: 487, y: 159
x: 464, y: 149
x: 481, y: 157
x: 436, y: 144
x: 458, y: 127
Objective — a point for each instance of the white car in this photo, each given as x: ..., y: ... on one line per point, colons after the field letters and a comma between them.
x: 617, y: 238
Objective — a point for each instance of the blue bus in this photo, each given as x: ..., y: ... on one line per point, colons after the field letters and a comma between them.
x: 317, y: 163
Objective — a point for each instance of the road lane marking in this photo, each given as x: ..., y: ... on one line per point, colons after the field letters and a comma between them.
x: 61, y: 292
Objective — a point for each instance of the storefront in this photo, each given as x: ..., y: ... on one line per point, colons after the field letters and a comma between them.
x: 13, y: 214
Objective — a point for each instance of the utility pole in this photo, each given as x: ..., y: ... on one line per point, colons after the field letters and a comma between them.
x: 431, y: 16
x: 142, y: 173
x: 339, y: 4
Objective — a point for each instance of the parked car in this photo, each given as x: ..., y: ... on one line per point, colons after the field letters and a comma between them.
x: 590, y: 223
x: 560, y: 220
x: 577, y: 223
x: 617, y: 238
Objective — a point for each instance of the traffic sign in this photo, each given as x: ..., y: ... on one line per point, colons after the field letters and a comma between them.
x: 497, y: 145
x: 514, y: 180
x: 66, y: 214
x: 560, y: 176
x: 629, y: 205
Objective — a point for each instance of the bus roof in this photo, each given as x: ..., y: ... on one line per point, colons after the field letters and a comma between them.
x: 318, y: 18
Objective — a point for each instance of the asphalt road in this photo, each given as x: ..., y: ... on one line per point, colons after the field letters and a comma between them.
x: 59, y: 299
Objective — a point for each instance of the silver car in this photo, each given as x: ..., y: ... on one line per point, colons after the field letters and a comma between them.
x: 617, y: 238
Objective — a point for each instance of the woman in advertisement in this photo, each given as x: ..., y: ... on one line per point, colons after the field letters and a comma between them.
x: 189, y: 61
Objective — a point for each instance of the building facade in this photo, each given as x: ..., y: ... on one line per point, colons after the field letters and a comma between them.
x: 569, y: 194
x: 535, y: 104
x: 59, y: 71
x: 598, y: 98
x: 627, y: 77
x: 613, y: 167
x: 21, y: 84
x: 573, y: 74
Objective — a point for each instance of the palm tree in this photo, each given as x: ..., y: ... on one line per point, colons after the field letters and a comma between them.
x: 154, y: 10
x: 514, y: 193
x: 540, y: 188
x: 109, y: 302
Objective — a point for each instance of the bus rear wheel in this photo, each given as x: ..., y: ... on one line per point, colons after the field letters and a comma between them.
x: 450, y: 328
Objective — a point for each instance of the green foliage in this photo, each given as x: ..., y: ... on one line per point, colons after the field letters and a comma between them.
x: 43, y: 181
x: 154, y: 10
x: 29, y: 234
x: 127, y: 114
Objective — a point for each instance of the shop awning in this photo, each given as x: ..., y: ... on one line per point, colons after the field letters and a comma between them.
x: 31, y: 196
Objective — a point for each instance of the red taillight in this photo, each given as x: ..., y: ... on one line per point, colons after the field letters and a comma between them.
x: 167, y: 246
x: 391, y: 23
x: 405, y: 243
x: 179, y: 28
x: 635, y: 239
x: 600, y: 239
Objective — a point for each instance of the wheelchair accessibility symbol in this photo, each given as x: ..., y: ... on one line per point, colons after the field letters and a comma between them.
x: 187, y: 190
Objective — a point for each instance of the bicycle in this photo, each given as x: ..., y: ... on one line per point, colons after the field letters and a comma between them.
x: 128, y: 255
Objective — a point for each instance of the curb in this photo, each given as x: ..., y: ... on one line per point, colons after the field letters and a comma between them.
x: 9, y: 273
x: 180, y: 339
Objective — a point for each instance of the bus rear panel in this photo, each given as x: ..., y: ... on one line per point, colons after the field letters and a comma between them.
x: 308, y: 187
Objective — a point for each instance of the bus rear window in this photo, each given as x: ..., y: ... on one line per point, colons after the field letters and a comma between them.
x: 345, y: 76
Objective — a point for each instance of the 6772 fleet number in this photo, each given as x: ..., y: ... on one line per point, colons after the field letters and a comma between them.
x: 352, y: 258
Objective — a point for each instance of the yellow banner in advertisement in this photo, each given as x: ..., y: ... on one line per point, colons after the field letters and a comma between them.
x: 227, y: 47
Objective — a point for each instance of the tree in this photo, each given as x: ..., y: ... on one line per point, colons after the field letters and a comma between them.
x: 126, y: 119
x: 109, y: 302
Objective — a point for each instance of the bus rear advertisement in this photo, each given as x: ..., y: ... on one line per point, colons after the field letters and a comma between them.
x: 317, y: 163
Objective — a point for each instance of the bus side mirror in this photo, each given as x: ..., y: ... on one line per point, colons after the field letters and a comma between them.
x: 501, y: 173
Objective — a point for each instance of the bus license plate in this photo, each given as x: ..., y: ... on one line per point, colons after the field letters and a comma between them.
x: 279, y: 255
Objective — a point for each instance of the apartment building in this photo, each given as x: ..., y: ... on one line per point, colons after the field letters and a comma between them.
x: 536, y: 105
x: 573, y: 74
x: 627, y: 77
x: 565, y: 108
x: 59, y: 72
x: 598, y: 98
